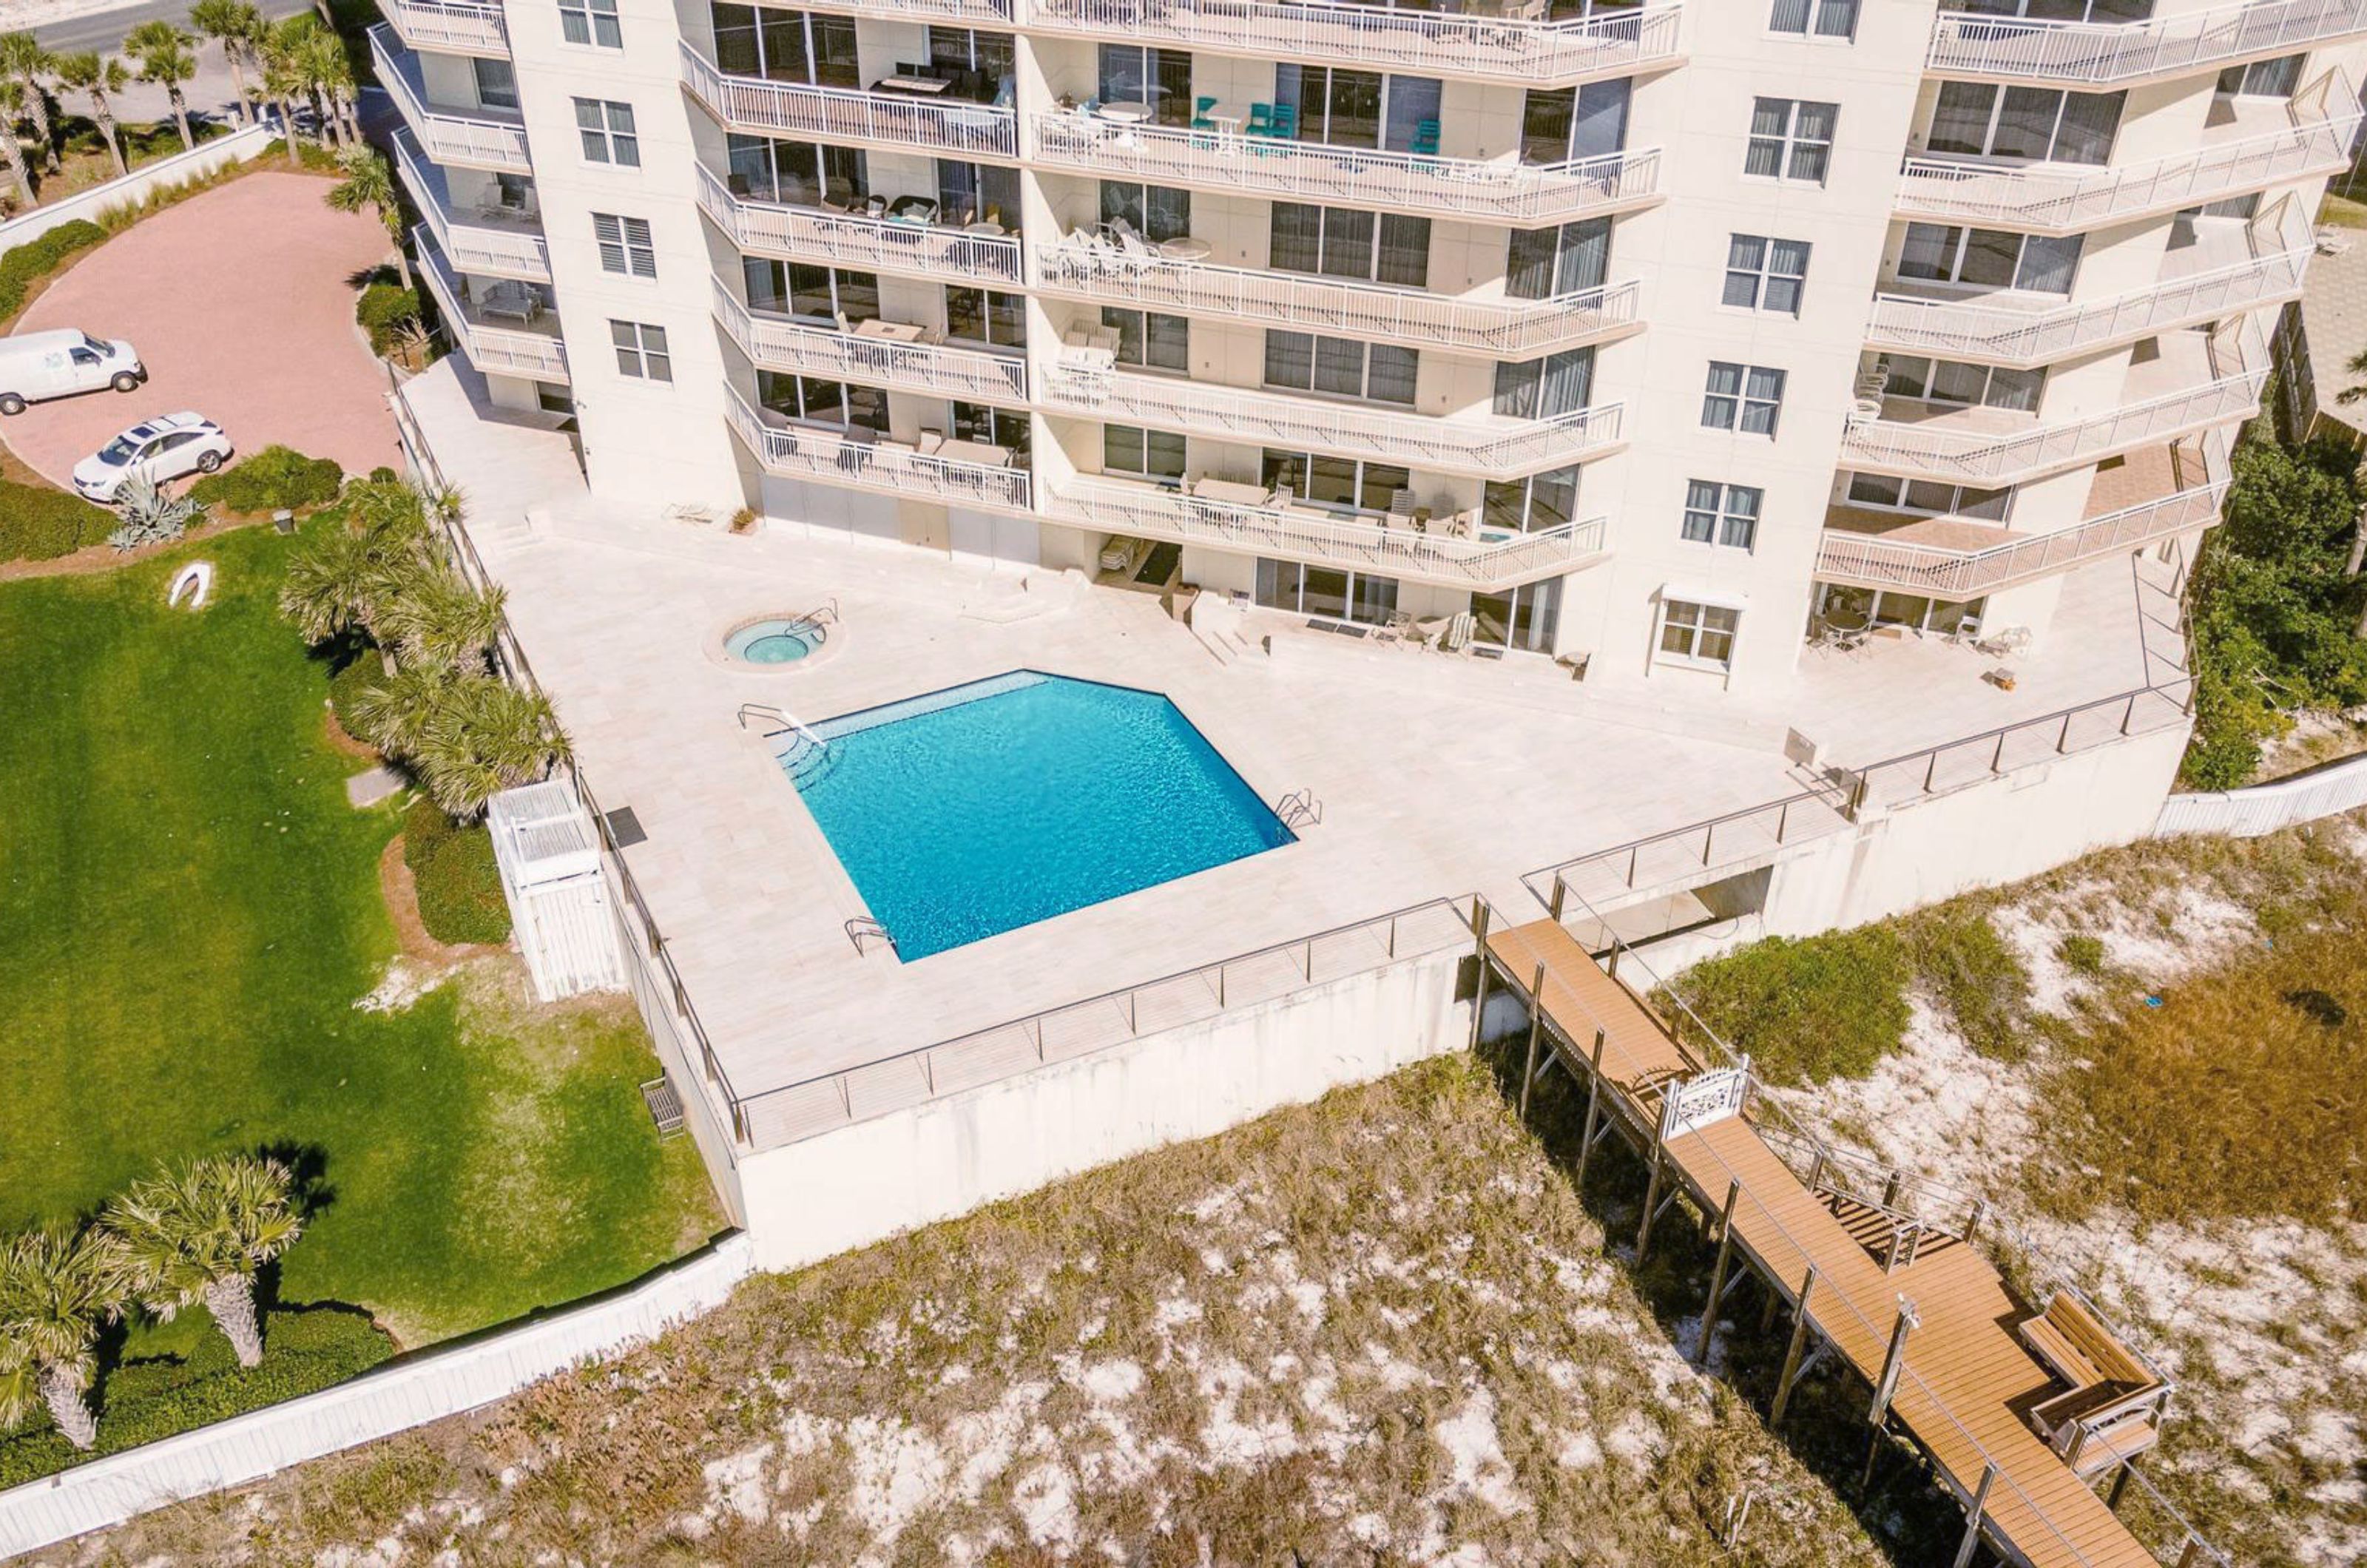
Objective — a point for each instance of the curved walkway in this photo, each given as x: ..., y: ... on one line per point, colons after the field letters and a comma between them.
x: 241, y: 302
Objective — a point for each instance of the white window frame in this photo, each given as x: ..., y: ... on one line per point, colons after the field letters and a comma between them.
x: 1722, y: 519
x: 636, y: 358
x: 1954, y: 278
x: 1699, y: 626
x: 1902, y: 365
x: 1789, y: 143
x: 596, y: 19
x: 1315, y: 342
x: 1906, y: 505
x: 629, y: 242
x: 607, y: 144
x: 1741, y: 400
x: 1813, y: 17
x: 1997, y: 115
x: 1763, y: 273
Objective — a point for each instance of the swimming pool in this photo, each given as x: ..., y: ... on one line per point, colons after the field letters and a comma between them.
x: 994, y: 804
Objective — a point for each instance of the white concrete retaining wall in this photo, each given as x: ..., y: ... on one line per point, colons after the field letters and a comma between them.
x: 2264, y: 808
x: 136, y: 186
x: 417, y: 1390
x: 850, y: 1187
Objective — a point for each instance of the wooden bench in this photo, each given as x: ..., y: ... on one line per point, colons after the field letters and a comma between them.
x: 2113, y: 1408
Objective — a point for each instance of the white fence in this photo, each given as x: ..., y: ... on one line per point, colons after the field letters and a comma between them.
x: 410, y: 1393
x: 2265, y: 808
x: 142, y: 183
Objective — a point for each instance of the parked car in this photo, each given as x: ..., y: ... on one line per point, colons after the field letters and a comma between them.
x: 161, y: 448
x: 60, y: 364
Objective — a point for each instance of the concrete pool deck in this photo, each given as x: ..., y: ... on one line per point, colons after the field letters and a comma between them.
x: 1436, y: 776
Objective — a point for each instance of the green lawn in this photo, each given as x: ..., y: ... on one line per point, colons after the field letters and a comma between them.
x: 190, y: 908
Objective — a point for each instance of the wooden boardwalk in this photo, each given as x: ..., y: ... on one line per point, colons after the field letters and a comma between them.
x: 1967, y: 1378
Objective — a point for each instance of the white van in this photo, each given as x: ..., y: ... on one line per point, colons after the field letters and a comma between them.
x: 60, y: 364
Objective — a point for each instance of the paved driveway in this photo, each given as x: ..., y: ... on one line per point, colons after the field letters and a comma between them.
x: 240, y: 303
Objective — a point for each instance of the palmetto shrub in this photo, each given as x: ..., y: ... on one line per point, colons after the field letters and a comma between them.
x: 273, y: 478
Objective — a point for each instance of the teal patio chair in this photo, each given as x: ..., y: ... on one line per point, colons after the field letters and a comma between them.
x: 1425, y: 139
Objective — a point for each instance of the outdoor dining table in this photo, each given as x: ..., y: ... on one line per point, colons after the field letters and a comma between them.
x: 1185, y: 248
x: 978, y: 452
x: 928, y: 86
x: 1124, y: 113
x: 894, y: 332
x: 1231, y: 492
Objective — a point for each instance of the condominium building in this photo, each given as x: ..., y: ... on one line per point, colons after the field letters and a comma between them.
x: 1659, y: 339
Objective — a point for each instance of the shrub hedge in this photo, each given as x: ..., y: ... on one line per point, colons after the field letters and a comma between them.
x: 1807, y: 1010
x: 381, y: 309
x: 273, y: 478
x: 460, y: 885
x: 354, y: 677
x: 40, y: 524
x: 303, y: 1351
x: 426, y: 830
x: 27, y: 264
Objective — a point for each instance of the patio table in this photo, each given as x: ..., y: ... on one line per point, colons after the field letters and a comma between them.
x: 1231, y: 492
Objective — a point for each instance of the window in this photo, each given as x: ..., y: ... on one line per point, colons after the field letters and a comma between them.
x: 607, y: 132
x: 2065, y: 10
x: 1841, y: 608
x: 1544, y: 389
x: 1341, y: 108
x: 1155, y: 455
x: 1531, y: 505
x: 590, y: 21
x: 1521, y: 620
x: 1824, y: 18
x: 1341, y: 368
x: 1158, y: 213
x: 1926, y: 498
x: 1982, y: 120
x: 1160, y: 77
x: 641, y: 351
x: 1333, y: 482
x: 496, y: 83
x: 1742, y: 397
x: 820, y: 401
x: 1320, y: 591
x: 1990, y: 258
x: 967, y: 192
x: 786, y: 46
x: 797, y: 173
x: 515, y: 193
x: 1540, y: 264
x: 1722, y: 515
x: 1564, y: 125
x: 1343, y: 242
x: 1151, y: 340
x: 1949, y: 381
x: 1766, y: 275
x: 986, y: 315
x: 813, y: 293
x: 2262, y: 78
x: 1791, y: 139
x: 625, y: 245
x: 1696, y: 633
x: 1006, y: 428
x: 977, y: 64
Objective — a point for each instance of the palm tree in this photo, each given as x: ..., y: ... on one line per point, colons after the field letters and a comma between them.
x: 291, y: 67
x: 233, y: 24
x: 12, y: 105
x: 162, y: 51
x: 101, y: 78
x: 57, y: 1288
x: 199, y: 1234
x: 343, y: 582
x: 441, y: 623
x: 25, y: 62
x: 482, y: 736
x: 330, y: 74
x: 283, y: 83
x: 394, y: 714
x: 369, y: 183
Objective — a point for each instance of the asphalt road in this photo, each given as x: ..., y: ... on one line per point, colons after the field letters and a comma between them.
x: 104, y: 29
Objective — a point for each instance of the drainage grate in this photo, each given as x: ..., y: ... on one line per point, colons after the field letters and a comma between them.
x: 624, y: 829
x: 665, y: 1106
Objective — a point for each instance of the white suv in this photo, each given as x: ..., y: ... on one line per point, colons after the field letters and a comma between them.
x: 161, y: 448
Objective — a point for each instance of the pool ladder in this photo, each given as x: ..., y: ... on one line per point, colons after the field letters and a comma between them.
x: 1299, y: 808
x: 862, y: 928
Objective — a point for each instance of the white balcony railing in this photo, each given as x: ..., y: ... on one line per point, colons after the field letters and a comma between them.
x: 1332, y: 304
x: 460, y: 28
x: 1146, y: 511
x: 848, y: 239
x: 2002, y: 335
x: 847, y: 114
x: 1386, y: 37
x: 1360, y: 429
x: 1940, y: 451
x: 846, y: 457
x: 988, y: 11
x: 1871, y: 561
x: 495, y: 350
x: 1501, y: 188
x: 499, y: 244
x: 2061, y: 200
x: 778, y: 343
x: 2095, y: 53
x: 474, y: 138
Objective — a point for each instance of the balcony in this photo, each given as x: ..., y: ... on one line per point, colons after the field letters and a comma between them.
x: 493, y: 241
x: 777, y: 342
x: 2209, y: 383
x: 2082, y: 54
x: 2230, y: 268
x: 2053, y: 198
x: 456, y: 28
x: 1953, y: 559
x: 1436, y: 42
x: 1083, y: 268
x: 1500, y: 189
x: 1498, y: 448
x: 861, y: 461
x: 502, y: 337
x: 992, y: 13
x: 474, y: 137
x: 851, y: 239
x: 1318, y: 537
x: 846, y: 114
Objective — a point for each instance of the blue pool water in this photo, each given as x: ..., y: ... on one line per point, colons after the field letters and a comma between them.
x: 1007, y: 801
x: 774, y: 642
